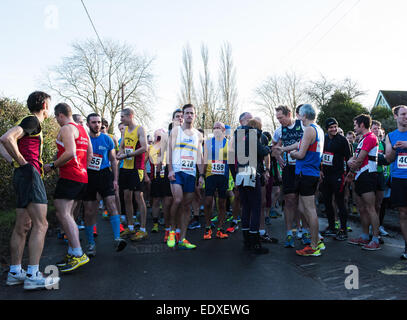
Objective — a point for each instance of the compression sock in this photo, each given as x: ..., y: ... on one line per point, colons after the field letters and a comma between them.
x: 115, y: 223
x: 89, y: 234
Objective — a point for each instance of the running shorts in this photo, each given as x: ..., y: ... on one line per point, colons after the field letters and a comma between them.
x: 70, y: 190
x: 99, y: 182
x: 398, y: 196
x: 216, y: 182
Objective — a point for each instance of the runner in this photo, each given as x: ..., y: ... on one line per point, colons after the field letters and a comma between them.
x: 336, y: 151
x: 160, y: 186
x: 185, y: 153
x: 307, y: 174
x: 21, y: 146
x: 285, y: 140
x: 132, y: 151
x: 216, y: 179
x: 396, y: 153
x: 103, y: 181
x: 381, y: 163
x: 249, y: 153
x: 77, y: 118
x: 365, y: 165
x: 74, y: 155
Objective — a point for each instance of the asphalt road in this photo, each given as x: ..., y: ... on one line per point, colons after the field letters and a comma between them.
x: 221, y: 269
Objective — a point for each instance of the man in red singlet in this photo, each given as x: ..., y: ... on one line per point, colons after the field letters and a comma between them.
x: 74, y: 153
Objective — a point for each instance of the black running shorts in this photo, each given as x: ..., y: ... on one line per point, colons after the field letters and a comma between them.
x: 99, y: 182
x: 288, y: 177
x: 366, y: 182
x: 129, y: 179
x: 398, y: 196
x: 216, y: 182
x: 70, y: 190
x: 28, y: 186
x: 306, y: 186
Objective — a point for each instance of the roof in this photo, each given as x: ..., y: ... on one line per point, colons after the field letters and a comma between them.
x: 395, y: 98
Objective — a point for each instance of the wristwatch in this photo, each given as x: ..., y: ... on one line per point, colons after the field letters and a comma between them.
x: 52, y: 165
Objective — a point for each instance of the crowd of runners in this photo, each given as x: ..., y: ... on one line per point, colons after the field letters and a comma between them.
x: 238, y: 174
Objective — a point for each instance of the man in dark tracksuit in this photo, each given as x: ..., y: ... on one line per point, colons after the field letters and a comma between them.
x: 337, y: 152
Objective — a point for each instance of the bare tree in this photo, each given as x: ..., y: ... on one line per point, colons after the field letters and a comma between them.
x: 92, y: 78
x: 227, y: 85
x: 351, y: 88
x: 320, y: 91
x: 187, y: 95
x: 207, y: 97
x: 280, y: 90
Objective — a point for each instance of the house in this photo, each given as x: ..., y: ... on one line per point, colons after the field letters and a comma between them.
x: 390, y: 99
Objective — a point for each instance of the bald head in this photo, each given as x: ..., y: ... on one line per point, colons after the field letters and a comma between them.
x: 244, y: 118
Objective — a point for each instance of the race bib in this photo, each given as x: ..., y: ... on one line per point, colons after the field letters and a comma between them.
x: 96, y: 162
x: 402, y: 161
x: 128, y: 150
x: 187, y: 164
x: 162, y: 173
x: 327, y: 158
x: 291, y: 161
x: 218, y: 167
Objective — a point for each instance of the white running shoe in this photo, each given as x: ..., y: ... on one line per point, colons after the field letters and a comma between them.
x: 40, y: 282
x: 16, y: 278
x: 383, y: 232
x: 91, y: 250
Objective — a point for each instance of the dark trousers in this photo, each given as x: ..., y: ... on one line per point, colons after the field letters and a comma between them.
x: 334, y: 185
x: 250, y: 201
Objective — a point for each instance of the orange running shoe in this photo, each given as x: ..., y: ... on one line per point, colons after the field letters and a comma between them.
x: 167, y: 233
x: 208, y: 234
x: 221, y: 235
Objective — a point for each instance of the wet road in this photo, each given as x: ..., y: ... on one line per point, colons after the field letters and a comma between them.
x: 221, y: 269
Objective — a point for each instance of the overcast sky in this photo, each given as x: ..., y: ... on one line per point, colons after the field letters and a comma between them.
x: 361, y: 39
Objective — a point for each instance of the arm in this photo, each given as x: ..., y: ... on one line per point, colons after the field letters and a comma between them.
x: 121, y: 155
x: 5, y: 155
x: 172, y: 138
x: 357, y: 162
x: 307, y: 140
x: 113, y: 162
x: 390, y: 152
x: 143, y: 143
x: 68, y: 139
x: 9, y: 141
x: 90, y: 151
x: 200, y: 160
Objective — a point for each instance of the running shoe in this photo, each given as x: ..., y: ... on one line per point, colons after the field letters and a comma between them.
x: 127, y: 233
x: 91, y: 250
x: 105, y: 215
x: 299, y: 234
x: 341, y: 236
x: 121, y: 228
x: 171, y: 239
x: 177, y: 236
x: 383, y: 232
x: 95, y: 231
x: 337, y: 225
x: 354, y: 210
x: 372, y: 246
x: 321, y: 246
x: 267, y: 239
x: 268, y: 221
x: 136, y: 222
x: 64, y: 262
x: 232, y: 228
x: 273, y: 214
x: 306, y: 239
x: 155, y: 228
x: 186, y: 245
x: 65, y: 238
x: 208, y: 234
x: 403, y: 256
x: 75, y: 263
x: 161, y: 221
x: 329, y: 233
x: 229, y: 219
x: 81, y: 226
x: 167, y: 233
x: 349, y: 229
x: 140, y: 235
x: 194, y: 225
x: 214, y: 219
x: 309, y: 252
x: 289, y: 242
x: 16, y: 278
x: 38, y: 281
x: 221, y: 235
x: 120, y: 244
x: 358, y: 241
